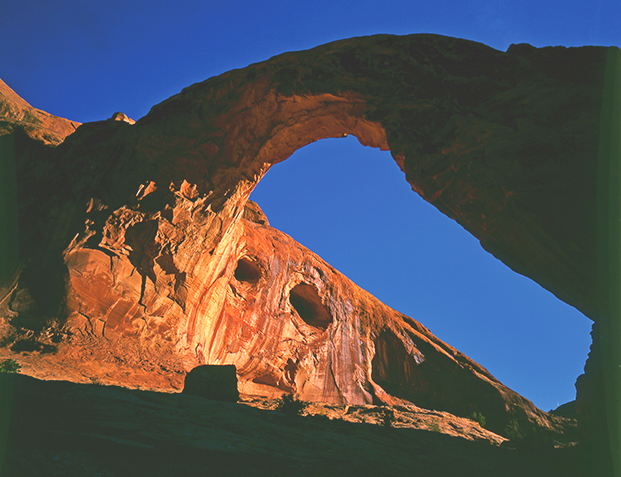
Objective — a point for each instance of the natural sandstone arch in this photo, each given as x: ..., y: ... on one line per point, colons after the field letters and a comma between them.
x: 506, y: 143
x: 494, y: 140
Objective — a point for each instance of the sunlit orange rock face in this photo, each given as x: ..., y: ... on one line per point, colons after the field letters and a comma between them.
x: 15, y: 112
x: 140, y: 256
x: 287, y: 320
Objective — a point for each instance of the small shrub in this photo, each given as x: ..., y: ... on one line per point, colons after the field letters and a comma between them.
x: 290, y: 406
x: 477, y: 417
x: 10, y: 366
x: 433, y: 426
x: 513, y: 431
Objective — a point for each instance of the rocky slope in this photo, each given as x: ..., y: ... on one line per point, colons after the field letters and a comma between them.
x: 148, y: 262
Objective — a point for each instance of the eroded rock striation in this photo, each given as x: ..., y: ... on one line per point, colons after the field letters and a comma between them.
x: 154, y: 260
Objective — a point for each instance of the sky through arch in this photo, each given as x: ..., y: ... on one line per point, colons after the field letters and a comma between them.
x: 353, y: 207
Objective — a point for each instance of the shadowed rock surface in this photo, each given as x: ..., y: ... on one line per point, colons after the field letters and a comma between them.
x: 148, y: 263
x: 212, y: 382
x: 61, y: 428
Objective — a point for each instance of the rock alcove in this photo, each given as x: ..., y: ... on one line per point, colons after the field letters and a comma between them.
x: 307, y: 303
x: 247, y: 270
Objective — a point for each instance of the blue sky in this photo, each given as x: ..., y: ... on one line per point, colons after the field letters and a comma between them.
x: 85, y: 60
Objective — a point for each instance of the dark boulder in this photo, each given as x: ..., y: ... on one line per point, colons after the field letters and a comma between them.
x: 213, y: 382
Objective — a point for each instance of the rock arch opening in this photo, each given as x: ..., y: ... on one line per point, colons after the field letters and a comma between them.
x: 306, y: 301
x: 247, y: 270
x: 352, y: 206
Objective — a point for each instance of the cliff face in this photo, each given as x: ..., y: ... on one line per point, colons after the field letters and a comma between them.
x: 149, y: 267
x: 287, y: 320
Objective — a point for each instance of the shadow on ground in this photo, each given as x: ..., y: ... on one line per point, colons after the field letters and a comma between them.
x: 57, y: 428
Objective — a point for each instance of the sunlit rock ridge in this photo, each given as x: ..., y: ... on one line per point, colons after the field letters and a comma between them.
x: 138, y: 256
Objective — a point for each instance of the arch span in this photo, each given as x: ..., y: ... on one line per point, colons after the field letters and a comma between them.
x: 493, y: 139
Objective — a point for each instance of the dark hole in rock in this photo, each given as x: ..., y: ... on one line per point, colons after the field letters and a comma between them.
x: 28, y: 345
x: 307, y: 302
x: 396, y: 370
x: 247, y: 271
x: 41, y: 294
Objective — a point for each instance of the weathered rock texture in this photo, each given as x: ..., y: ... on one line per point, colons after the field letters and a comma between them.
x: 148, y: 259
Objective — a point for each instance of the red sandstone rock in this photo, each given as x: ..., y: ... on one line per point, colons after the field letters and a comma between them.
x: 14, y: 112
x: 118, y: 116
x: 287, y: 320
x: 151, y: 267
